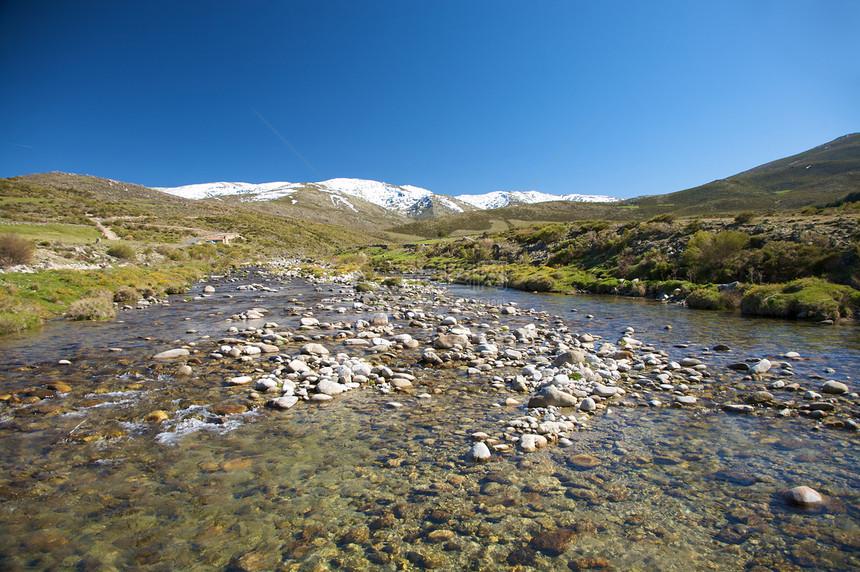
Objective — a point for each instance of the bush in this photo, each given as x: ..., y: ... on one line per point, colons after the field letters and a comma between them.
x: 122, y: 252
x: 714, y: 257
x: 711, y: 299
x: 392, y: 282
x: 125, y: 294
x: 363, y: 287
x: 91, y: 309
x: 14, y: 250
x: 744, y: 217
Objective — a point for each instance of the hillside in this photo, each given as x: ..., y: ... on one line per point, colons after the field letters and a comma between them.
x: 148, y: 217
x: 818, y: 176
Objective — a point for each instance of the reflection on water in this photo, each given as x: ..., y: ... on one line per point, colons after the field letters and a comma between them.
x: 354, y: 485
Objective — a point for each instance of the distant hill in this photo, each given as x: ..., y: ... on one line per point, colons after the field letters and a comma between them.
x: 821, y: 175
x: 499, y: 199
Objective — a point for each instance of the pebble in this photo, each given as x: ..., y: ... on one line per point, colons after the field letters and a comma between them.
x: 170, y: 354
x: 480, y: 452
x: 803, y: 496
x: 686, y: 400
x: 834, y: 387
x: 762, y: 366
x: 284, y: 402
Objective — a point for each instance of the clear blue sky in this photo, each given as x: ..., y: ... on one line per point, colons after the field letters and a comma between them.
x: 631, y: 98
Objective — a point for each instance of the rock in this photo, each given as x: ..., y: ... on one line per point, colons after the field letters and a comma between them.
x: 379, y: 319
x: 401, y: 383
x: 284, y: 402
x: 480, y: 452
x: 309, y: 322
x: 603, y: 391
x: 209, y: 289
x: 690, y: 362
x: 834, y: 387
x: 803, y: 496
x: 60, y: 386
x: 170, y: 354
x: 553, y: 542
x: 321, y: 397
x: 448, y: 341
x: 570, y: 356
x: 156, y: 416
x: 239, y: 380
x: 736, y: 408
x: 587, y: 404
x: 686, y: 400
x: 510, y: 401
x: 721, y: 348
x: 184, y: 371
x: 584, y: 461
x: 739, y: 366
x: 531, y: 442
x: 329, y: 387
x: 314, y: 349
x: 551, y: 395
x: 441, y: 535
x: 298, y: 366
x: 793, y: 356
x: 760, y: 397
x: 763, y: 366
x: 228, y: 409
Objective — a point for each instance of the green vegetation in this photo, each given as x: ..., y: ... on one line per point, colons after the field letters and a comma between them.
x: 122, y: 252
x: 805, y: 298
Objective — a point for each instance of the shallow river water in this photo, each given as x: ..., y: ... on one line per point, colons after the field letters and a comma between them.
x: 86, y: 484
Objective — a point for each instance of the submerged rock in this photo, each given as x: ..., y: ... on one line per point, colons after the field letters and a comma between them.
x: 480, y: 452
x: 803, y: 496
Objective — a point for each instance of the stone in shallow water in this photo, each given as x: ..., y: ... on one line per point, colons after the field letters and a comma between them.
x: 314, y: 349
x: 584, y: 461
x: 736, y: 408
x: 761, y: 367
x: 587, y: 404
x: 686, y: 400
x: 284, y: 402
x: 530, y: 442
x: 228, y: 408
x: 156, y: 416
x: 834, y: 387
x: 552, y: 542
x: 551, y: 395
x: 480, y: 452
x: 239, y: 380
x: 803, y: 496
x: 170, y: 354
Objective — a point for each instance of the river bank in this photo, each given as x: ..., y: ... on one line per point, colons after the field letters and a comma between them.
x: 383, y: 424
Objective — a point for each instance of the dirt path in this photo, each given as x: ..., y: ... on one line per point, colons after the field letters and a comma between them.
x: 106, y: 232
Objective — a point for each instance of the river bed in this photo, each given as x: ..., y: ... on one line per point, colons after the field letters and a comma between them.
x: 353, y: 483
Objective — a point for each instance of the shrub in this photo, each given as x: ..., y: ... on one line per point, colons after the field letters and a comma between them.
x: 363, y: 287
x: 744, y: 217
x: 392, y: 282
x: 171, y: 290
x: 122, y: 252
x: 711, y: 299
x: 14, y: 250
x: 125, y: 294
x: 665, y: 217
x: 714, y: 257
x: 91, y: 309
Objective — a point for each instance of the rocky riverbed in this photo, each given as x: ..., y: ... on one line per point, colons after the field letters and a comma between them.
x: 279, y: 422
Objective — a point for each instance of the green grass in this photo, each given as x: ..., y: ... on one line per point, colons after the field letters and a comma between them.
x: 66, y: 233
x: 806, y: 298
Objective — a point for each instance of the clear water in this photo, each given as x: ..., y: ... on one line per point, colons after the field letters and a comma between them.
x: 352, y: 484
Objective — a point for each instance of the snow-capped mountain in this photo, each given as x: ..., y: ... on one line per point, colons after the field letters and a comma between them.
x: 407, y: 200
x: 400, y: 199
x: 498, y: 199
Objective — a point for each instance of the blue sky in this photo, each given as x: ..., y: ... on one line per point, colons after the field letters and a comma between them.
x: 618, y: 98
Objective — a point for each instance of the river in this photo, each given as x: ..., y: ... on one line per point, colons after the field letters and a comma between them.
x: 354, y: 484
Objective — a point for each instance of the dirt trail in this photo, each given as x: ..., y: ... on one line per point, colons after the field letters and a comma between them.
x: 106, y: 232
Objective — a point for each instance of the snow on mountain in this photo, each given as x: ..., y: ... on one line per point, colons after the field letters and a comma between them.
x: 498, y: 199
x: 402, y: 199
x: 391, y: 197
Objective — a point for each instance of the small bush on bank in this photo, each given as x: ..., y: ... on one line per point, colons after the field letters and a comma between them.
x: 712, y: 299
x: 125, y: 294
x: 91, y: 309
x: 122, y: 252
x: 15, y: 250
x: 363, y: 287
x: 744, y: 217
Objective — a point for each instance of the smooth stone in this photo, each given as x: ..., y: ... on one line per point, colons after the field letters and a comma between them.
x: 321, y: 397
x: 394, y: 404
x: 298, y: 366
x: 762, y: 366
x: 184, y: 371
x: 834, y: 387
x: 737, y: 408
x: 170, y: 354
x: 209, y: 289
x: 510, y: 401
x: 588, y: 404
x: 239, y: 380
x: 584, y: 461
x: 314, y: 349
x: 760, y: 397
x: 156, y: 416
x: 228, y: 409
x: 686, y: 400
x: 570, y: 356
x: 531, y: 442
x: 284, y: 402
x: 401, y: 383
x: 480, y: 452
x: 379, y: 319
x: 601, y: 390
x: 448, y: 341
x: 328, y: 387
x: 803, y: 496
x: 550, y: 395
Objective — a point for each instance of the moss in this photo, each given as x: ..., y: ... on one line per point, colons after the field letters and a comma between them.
x: 806, y: 298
